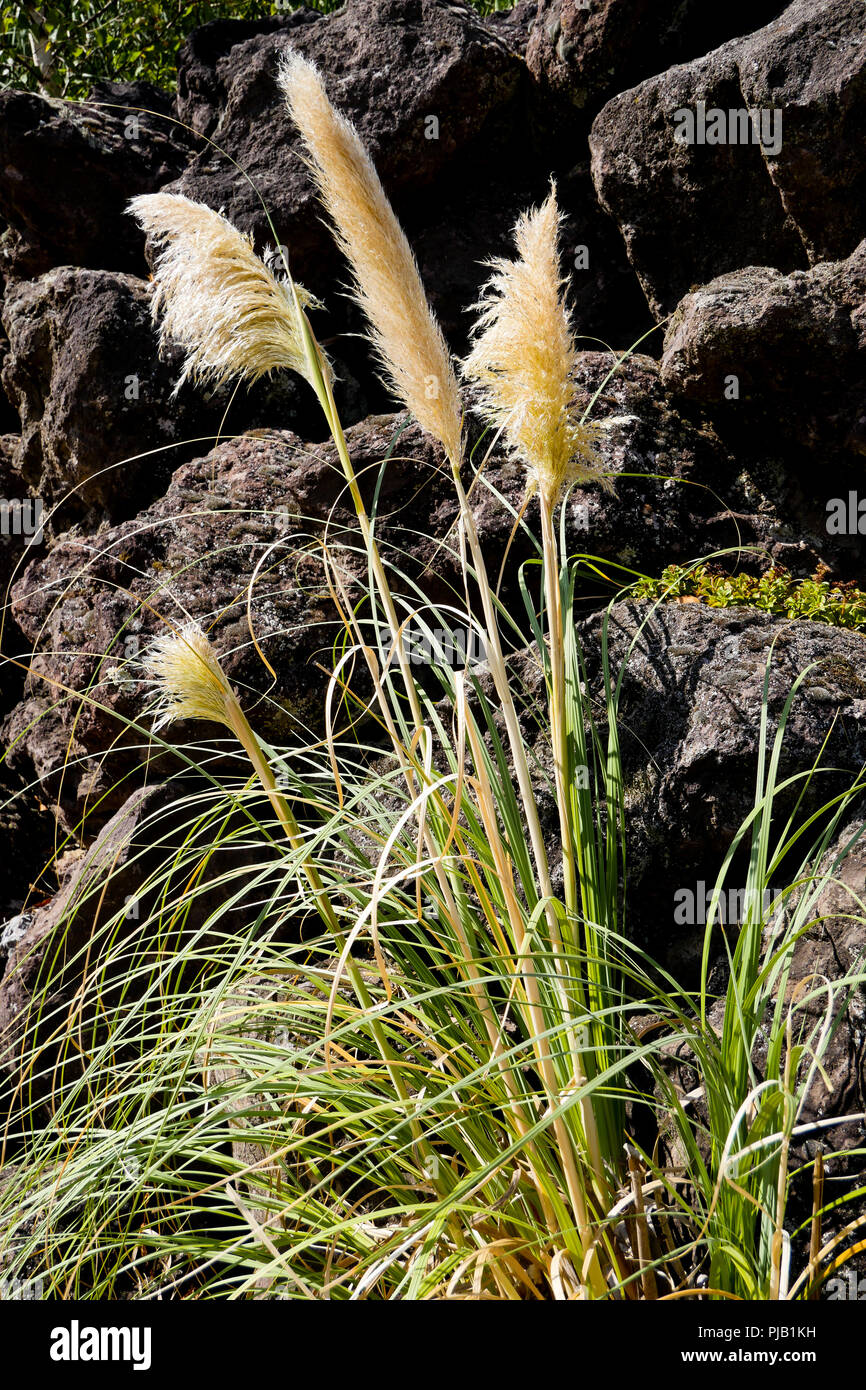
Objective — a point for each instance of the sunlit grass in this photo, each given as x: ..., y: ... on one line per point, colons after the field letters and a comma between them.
x: 371, y: 1032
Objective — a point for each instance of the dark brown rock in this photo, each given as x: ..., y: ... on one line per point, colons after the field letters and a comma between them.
x: 690, y: 211
x: 212, y: 57
x: 68, y: 169
x: 29, y: 837
x: 681, y: 208
x: 674, y: 480
x: 812, y: 66
x: 84, y: 372
x: 835, y: 947
x: 690, y: 721
x: 9, y: 422
x: 515, y: 25
x: 53, y: 941
x: 587, y: 52
x: 796, y: 345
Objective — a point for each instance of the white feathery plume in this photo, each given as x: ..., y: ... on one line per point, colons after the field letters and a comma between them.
x: 523, y: 356
x: 188, y: 681
x: 217, y: 299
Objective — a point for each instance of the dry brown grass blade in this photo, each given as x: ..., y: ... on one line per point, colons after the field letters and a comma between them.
x: 644, y: 1254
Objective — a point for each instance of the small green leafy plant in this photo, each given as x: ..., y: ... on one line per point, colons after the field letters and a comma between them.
x: 776, y: 591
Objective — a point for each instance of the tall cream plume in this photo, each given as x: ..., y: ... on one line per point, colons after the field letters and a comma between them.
x: 217, y: 299
x: 523, y: 355
x: 387, y: 284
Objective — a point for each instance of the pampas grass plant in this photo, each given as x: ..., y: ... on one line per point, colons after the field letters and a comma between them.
x: 428, y: 1098
x: 406, y: 336
x: 188, y: 682
x: 524, y: 356
x: 411, y: 349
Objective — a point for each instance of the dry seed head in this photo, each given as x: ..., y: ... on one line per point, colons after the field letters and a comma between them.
x: 387, y: 284
x: 187, y: 680
x: 523, y: 356
x: 217, y: 299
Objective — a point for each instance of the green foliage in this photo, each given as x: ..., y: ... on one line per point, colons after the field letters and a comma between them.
x: 776, y: 591
x: 61, y: 49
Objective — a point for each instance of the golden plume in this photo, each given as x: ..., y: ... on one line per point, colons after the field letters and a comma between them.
x: 218, y: 300
x: 523, y: 356
x: 188, y: 681
x: 387, y: 284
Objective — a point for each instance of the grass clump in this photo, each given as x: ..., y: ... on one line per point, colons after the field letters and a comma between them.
x: 374, y: 1034
x: 776, y: 591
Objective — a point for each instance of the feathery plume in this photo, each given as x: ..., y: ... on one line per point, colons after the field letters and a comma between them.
x: 189, y: 683
x: 387, y: 284
x: 217, y: 298
x: 187, y: 680
x: 523, y: 355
